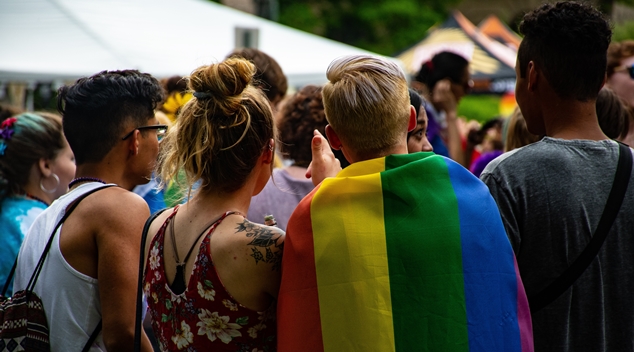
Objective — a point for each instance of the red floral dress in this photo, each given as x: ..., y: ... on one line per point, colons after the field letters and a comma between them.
x: 205, y: 316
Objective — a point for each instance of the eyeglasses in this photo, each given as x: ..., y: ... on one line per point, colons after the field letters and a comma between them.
x: 629, y: 69
x: 160, y: 131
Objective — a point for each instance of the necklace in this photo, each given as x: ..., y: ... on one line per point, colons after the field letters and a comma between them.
x: 85, y: 179
x: 30, y: 196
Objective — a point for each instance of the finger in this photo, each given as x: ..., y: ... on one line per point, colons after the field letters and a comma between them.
x: 309, y: 170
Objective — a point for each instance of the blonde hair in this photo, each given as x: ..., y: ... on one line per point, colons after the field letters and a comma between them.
x: 366, y: 102
x: 517, y: 134
x: 220, y: 133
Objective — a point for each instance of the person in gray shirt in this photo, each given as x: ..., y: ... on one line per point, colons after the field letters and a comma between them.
x: 551, y: 194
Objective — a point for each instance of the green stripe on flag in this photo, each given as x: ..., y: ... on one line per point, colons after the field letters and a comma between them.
x: 424, y: 255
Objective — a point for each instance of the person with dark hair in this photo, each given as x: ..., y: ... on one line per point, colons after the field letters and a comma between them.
x: 89, y: 278
x: 417, y: 138
x: 269, y: 77
x: 299, y: 116
x: 613, y: 113
x: 552, y: 193
x: 212, y: 276
x: 36, y: 165
x: 443, y: 81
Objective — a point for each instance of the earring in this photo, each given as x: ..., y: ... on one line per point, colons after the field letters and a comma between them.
x: 271, y: 147
x: 49, y: 191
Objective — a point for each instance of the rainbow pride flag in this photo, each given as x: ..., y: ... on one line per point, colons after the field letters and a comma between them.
x: 402, y: 253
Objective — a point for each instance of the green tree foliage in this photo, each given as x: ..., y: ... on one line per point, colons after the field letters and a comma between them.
x: 383, y: 26
x: 623, y: 31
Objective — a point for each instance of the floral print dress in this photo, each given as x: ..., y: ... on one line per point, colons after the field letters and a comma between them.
x: 205, y: 316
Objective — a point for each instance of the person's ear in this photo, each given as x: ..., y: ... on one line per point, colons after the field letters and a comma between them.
x: 412, y: 119
x: 532, y: 76
x: 333, y: 138
x: 44, y: 166
x: 133, y: 143
x: 269, y: 152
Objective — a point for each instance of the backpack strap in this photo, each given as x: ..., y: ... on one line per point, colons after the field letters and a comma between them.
x: 612, y: 206
x: 69, y: 210
x: 92, y: 337
x: 139, y: 289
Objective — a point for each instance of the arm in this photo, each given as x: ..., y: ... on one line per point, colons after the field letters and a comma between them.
x: 118, y: 246
x: 443, y: 96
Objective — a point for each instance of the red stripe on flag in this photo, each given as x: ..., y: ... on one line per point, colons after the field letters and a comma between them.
x: 298, y: 319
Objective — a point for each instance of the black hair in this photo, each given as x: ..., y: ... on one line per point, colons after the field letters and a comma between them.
x: 96, y: 109
x: 443, y: 65
x: 568, y: 41
x: 416, y: 101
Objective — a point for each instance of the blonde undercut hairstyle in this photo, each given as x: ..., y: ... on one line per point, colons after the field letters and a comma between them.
x: 221, y: 132
x: 366, y: 102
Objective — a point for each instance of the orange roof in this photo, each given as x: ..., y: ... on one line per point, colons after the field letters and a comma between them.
x: 494, y: 28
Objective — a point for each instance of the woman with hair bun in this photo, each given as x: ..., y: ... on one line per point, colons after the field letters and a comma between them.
x: 36, y: 165
x: 212, y: 276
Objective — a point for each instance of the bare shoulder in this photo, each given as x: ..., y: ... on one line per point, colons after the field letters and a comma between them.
x: 156, y: 225
x: 114, y: 209
x: 263, y: 244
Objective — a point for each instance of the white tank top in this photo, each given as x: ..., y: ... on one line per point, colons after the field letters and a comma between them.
x: 70, y: 298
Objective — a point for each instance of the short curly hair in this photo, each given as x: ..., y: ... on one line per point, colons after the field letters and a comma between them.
x: 617, y: 52
x: 300, y: 115
x: 568, y: 41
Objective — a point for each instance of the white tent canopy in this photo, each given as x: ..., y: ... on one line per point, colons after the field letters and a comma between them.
x: 54, y: 40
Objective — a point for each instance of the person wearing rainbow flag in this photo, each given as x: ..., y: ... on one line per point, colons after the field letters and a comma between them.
x: 398, y: 252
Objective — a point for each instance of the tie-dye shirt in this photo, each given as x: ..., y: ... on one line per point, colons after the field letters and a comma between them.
x: 16, y: 216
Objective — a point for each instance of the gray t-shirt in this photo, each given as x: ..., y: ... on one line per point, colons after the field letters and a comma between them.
x: 551, y: 195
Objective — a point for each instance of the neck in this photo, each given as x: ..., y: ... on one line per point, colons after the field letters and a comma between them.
x: 35, y: 191
x: 209, y: 203
x: 103, y: 172
x: 572, y: 119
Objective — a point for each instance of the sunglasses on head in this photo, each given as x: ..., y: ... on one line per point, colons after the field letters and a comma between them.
x: 629, y: 69
x: 160, y: 131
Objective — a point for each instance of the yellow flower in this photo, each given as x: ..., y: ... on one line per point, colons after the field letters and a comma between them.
x: 215, y: 326
x: 184, y: 338
x: 232, y: 306
x: 206, y: 294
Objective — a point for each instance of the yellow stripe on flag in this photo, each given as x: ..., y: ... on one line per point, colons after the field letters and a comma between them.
x: 352, y: 269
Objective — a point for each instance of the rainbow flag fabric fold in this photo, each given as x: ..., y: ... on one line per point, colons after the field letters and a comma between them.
x: 402, y: 253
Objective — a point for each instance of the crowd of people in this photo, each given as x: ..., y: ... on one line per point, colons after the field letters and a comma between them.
x: 361, y: 215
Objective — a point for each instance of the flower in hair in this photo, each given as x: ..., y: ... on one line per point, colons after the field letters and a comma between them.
x: 202, y: 95
x: 8, y: 122
x: 430, y: 65
x: 6, y: 132
x: 3, y: 147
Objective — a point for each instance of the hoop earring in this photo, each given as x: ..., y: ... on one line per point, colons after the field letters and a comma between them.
x: 49, y: 191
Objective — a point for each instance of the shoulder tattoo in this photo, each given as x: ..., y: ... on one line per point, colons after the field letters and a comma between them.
x: 264, y: 243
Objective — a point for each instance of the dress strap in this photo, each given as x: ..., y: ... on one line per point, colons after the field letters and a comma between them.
x: 178, y: 286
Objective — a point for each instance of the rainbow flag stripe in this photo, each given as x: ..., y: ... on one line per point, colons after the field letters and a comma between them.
x: 402, y: 253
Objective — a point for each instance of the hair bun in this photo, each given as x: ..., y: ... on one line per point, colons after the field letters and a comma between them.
x: 224, y: 79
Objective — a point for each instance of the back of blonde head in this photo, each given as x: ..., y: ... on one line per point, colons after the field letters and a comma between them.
x: 222, y: 131
x: 367, y: 103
